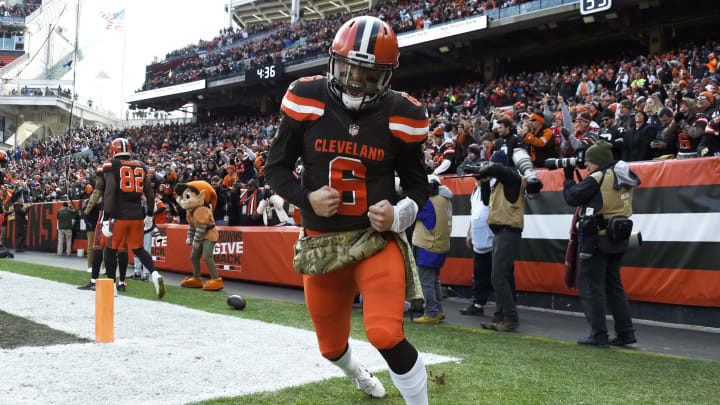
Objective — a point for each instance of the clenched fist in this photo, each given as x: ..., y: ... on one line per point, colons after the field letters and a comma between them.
x: 324, y: 201
x: 381, y: 215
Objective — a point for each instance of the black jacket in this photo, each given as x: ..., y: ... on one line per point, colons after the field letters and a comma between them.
x: 223, y: 199
x: 92, y: 218
x: 20, y: 214
x: 636, y: 143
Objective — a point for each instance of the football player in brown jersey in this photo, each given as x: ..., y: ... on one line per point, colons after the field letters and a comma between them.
x: 354, y: 134
x: 124, y: 218
x: 100, y: 243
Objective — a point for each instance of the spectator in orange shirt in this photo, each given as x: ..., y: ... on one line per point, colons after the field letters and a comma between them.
x: 539, y: 139
x: 230, y: 178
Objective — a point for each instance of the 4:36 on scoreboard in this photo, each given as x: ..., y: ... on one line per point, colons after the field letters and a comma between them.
x: 264, y: 72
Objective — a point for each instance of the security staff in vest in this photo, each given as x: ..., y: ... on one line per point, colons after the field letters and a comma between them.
x: 605, y: 200
x: 505, y: 217
x: 431, y: 238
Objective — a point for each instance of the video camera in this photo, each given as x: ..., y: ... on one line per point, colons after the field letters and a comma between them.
x: 577, y: 161
x: 475, y: 169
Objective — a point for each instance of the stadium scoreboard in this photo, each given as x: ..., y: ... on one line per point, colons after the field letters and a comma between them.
x: 264, y: 73
x: 594, y: 6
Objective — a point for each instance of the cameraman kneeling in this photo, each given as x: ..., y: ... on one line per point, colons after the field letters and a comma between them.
x: 605, y: 201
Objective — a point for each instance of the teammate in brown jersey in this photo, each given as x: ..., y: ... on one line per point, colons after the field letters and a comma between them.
x: 125, y: 220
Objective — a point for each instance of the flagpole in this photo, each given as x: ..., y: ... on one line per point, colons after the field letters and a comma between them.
x: 122, y: 76
x: 77, y: 37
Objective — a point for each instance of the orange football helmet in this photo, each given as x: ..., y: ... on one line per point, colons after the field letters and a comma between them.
x: 363, y: 56
x: 120, y: 147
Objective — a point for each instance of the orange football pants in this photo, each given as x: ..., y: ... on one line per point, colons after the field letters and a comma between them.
x: 127, y: 234
x: 380, y: 280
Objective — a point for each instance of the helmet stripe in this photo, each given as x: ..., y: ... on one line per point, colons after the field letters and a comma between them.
x: 359, y: 34
x: 365, y: 36
x: 373, y: 37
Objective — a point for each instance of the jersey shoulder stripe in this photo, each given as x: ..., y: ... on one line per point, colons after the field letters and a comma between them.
x: 305, y: 99
x: 408, y: 118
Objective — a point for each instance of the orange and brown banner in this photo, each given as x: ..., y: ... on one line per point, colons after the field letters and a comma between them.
x: 677, y: 209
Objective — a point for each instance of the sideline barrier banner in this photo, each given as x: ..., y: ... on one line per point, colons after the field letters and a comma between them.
x: 42, y: 228
x: 677, y: 208
x: 261, y: 254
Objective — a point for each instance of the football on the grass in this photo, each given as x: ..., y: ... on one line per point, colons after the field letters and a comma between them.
x: 236, y: 302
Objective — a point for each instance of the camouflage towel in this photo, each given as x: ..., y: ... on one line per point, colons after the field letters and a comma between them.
x: 322, y: 254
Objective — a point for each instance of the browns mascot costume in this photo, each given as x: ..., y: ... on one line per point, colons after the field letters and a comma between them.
x: 198, y: 199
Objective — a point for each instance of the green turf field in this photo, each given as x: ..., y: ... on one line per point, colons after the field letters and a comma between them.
x: 495, y: 367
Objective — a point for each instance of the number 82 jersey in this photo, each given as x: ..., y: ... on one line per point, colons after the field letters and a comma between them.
x: 130, y: 178
x: 356, y: 153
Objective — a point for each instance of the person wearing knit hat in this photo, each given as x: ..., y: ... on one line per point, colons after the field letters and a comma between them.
x: 600, y: 153
x: 604, y: 199
x: 499, y: 157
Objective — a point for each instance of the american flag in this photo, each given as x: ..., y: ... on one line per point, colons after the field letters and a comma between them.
x: 115, y: 20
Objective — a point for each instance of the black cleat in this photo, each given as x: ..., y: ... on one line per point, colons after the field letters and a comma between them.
x: 121, y: 287
x: 89, y: 286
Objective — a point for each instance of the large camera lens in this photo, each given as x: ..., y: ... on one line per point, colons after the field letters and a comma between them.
x: 553, y: 164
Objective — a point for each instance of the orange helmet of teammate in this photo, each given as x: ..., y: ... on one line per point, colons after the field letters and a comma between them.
x: 120, y: 147
x: 363, y: 56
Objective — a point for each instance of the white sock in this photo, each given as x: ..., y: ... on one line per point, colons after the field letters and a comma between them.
x: 413, y: 384
x: 92, y: 280
x: 348, y: 364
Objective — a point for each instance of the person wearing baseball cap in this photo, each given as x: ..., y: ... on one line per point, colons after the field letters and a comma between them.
x: 605, y: 200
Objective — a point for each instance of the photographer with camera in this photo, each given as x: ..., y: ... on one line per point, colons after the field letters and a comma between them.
x: 505, y: 218
x: 272, y: 208
x: 604, y: 199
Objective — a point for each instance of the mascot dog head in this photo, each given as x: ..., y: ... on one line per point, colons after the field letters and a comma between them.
x: 195, y: 194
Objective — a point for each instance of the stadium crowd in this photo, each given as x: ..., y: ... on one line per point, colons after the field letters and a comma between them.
x: 20, y: 9
x: 235, y: 51
x: 658, y: 106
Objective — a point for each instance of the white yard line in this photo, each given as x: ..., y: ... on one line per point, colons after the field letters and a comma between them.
x: 162, y: 354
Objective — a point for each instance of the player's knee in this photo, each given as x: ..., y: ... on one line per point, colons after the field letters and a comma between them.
x: 384, y: 337
x: 195, y: 254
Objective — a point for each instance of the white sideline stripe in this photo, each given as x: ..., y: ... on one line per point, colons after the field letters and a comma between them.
x: 408, y: 129
x: 162, y: 354
x: 302, y: 109
x: 683, y: 227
